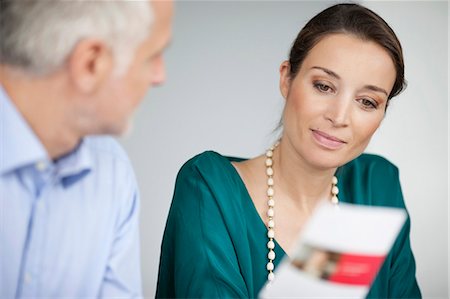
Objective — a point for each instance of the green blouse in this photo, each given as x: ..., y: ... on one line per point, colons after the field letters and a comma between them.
x: 214, y: 243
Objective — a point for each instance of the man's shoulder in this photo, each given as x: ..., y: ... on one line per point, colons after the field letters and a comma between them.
x: 108, y: 158
x: 110, y: 165
x: 105, y: 147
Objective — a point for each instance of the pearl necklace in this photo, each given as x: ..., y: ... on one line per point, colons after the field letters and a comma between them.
x: 271, y: 212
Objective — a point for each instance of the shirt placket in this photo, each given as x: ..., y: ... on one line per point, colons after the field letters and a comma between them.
x: 34, y: 252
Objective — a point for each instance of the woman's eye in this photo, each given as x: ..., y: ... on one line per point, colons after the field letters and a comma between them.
x: 368, y: 103
x: 322, y: 87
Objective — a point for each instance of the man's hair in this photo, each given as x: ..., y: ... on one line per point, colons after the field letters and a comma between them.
x: 37, y: 36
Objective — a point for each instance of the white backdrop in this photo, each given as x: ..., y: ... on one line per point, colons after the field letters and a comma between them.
x: 222, y: 94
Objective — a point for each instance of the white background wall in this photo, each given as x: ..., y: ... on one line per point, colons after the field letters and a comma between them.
x: 222, y: 94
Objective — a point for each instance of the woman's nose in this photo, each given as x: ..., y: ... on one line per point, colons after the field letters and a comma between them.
x: 339, y: 109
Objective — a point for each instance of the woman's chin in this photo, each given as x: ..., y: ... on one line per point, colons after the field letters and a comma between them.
x: 325, y: 161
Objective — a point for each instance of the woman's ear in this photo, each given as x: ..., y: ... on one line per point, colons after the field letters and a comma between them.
x: 285, y: 79
x: 89, y: 64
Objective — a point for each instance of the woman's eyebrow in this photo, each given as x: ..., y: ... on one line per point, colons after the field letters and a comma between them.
x: 376, y: 89
x: 329, y: 72
x: 333, y: 74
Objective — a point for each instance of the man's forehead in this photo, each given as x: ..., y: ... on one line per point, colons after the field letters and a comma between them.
x: 161, y: 29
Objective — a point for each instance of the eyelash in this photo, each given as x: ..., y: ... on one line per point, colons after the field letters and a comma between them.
x: 367, y: 104
x: 320, y: 86
x: 371, y: 103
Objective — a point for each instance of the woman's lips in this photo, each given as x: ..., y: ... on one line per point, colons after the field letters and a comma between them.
x: 327, y: 141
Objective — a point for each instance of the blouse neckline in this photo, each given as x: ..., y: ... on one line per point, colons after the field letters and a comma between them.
x: 261, y: 224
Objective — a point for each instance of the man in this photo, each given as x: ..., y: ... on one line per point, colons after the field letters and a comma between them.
x: 68, y: 201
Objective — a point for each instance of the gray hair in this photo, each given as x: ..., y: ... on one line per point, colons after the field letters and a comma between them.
x: 37, y: 36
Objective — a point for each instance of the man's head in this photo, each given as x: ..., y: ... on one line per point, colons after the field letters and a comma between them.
x: 105, y: 54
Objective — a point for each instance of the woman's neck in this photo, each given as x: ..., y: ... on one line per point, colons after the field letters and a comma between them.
x: 298, y: 180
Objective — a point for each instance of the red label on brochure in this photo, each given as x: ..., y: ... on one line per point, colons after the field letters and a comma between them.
x: 356, y: 269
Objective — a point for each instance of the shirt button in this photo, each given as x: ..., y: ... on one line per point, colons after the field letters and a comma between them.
x: 41, y: 166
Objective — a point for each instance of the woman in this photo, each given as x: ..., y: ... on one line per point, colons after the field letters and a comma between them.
x: 344, y: 67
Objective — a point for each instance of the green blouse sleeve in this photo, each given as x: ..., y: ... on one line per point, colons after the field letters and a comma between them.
x: 397, y: 277
x: 402, y: 282
x: 198, y: 259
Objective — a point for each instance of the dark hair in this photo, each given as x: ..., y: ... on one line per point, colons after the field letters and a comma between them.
x: 352, y: 19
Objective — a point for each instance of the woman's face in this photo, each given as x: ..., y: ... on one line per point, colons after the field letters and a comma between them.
x: 337, y: 99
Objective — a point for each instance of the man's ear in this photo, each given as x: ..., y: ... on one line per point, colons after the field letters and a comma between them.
x: 90, y: 64
x: 285, y: 79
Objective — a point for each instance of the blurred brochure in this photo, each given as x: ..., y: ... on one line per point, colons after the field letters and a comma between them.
x: 339, y: 253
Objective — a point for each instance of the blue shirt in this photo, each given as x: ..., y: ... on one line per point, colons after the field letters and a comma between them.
x: 68, y: 228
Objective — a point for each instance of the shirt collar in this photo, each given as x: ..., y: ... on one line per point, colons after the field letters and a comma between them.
x: 75, y: 165
x: 19, y: 147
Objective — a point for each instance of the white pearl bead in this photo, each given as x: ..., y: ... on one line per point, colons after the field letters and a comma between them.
x: 270, y: 213
x: 334, y: 199
x: 335, y: 190
x: 334, y: 180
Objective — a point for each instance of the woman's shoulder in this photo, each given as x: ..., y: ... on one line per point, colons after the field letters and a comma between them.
x: 370, y: 180
x: 208, y: 182
x: 370, y: 163
x: 206, y: 161
x: 211, y: 168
